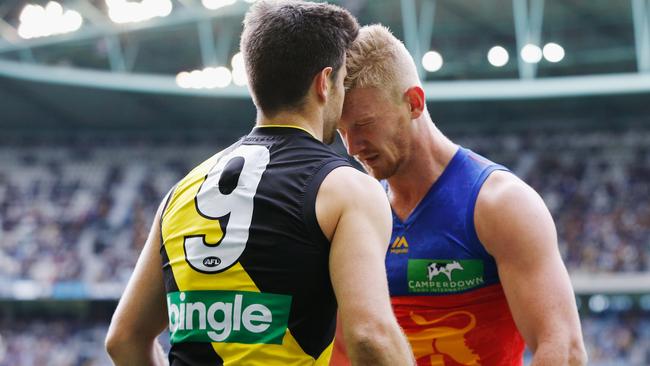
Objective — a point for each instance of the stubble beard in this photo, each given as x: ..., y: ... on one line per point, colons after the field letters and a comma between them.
x: 329, y: 133
x: 330, y: 122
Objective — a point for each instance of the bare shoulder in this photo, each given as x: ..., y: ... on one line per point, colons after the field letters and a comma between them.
x: 509, y: 213
x: 347, y: 182
x: 347, y: 189
x: 502, y: 187
x: 503, y: 192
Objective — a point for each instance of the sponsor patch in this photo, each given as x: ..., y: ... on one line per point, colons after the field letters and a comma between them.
x: 444, y: 275
x: 227, y: 316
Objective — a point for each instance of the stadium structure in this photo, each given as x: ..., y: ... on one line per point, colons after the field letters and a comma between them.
x: 105, y: 104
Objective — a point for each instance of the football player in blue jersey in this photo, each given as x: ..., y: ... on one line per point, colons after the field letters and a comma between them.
x: 474, y: 268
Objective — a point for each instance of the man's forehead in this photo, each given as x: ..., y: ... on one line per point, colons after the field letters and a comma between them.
x: 366, y: 94
x: 358, y: 108
x: 361, y: 100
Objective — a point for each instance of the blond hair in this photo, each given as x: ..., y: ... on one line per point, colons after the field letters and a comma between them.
x: 377, y: 59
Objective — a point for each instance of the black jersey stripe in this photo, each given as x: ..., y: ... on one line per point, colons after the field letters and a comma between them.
x: 168, y: 273
x: 194, y: 354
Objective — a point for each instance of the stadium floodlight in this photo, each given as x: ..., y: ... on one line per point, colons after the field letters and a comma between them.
x: 37, y: 21
x: 196, y: 79
x: 239, y: 77
x: 211, y: 77
x: 53, y: 10
x: 208, y: 78
x: 216, y: 4
x: 498, y: 56
x: 221, y: 77
x: 531, y: 53
x: 553, y: 52
x: 184, y: 80
x: 237, y: 61
x: 238, y: 70
x: 123, y: 11
x: 432, y: 61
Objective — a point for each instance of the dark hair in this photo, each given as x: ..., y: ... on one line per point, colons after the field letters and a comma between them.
x: 286, y: 43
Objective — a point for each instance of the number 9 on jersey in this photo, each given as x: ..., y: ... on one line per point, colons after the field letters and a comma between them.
x: 226, y: 196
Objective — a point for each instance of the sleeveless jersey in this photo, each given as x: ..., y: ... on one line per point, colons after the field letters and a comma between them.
x: 245, y: 263
x: 444, y: 285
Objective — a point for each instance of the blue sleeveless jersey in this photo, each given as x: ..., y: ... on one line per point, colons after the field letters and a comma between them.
x: 444, y: 285
x: 442, y: 225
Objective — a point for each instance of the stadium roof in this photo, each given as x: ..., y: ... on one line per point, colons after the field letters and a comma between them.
x: 109, y: 62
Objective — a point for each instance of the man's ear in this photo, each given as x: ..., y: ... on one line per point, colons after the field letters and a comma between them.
x: 414, y: 97
x: 322, y: 83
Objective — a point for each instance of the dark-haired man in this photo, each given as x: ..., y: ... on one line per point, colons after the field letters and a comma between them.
x: 262, y: 240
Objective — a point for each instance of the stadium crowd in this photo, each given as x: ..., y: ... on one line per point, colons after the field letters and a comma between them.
x: 52, y: 343
x: 81, y: 211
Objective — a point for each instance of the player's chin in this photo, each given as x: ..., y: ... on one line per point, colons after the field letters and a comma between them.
x: 375, y: 171
x: 382, y: 169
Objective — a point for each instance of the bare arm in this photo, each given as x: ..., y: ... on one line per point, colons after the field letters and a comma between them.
x: 515, y: 226
x: 353, y: 212
x: 142, y: 312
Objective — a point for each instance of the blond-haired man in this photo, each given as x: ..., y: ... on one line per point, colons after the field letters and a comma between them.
x: 473, y: 264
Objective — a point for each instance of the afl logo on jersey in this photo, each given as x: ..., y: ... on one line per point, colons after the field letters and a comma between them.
x: 211, y: 261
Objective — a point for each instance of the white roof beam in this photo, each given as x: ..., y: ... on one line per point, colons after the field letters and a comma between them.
x: 509, y: 89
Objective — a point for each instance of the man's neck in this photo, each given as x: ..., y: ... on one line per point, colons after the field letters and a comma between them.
x: 300, y: 120
x: 429, y: 155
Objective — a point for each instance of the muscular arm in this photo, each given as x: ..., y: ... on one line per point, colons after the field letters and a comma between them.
x: 515, y: 226
x: 353, y: 212
x: 142, y: 312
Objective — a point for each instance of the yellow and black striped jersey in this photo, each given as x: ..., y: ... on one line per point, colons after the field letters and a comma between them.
x: 245, y: 263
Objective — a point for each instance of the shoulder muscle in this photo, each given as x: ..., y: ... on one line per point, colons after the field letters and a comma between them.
x: 347, y: 189
x: 511, y: 218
